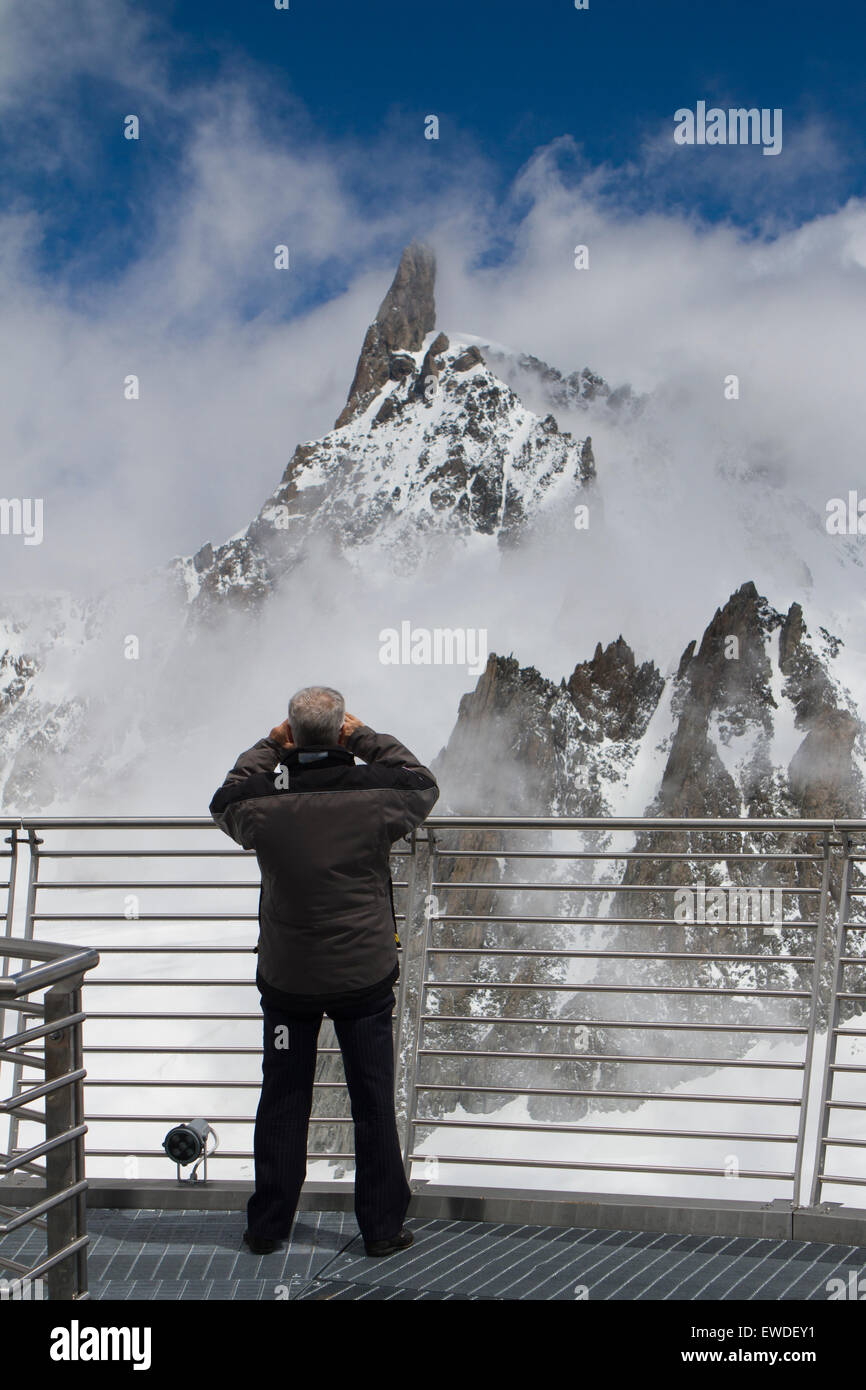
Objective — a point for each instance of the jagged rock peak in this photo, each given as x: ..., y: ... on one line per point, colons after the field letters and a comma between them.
x: 613, y: 693
x: 406, y: 315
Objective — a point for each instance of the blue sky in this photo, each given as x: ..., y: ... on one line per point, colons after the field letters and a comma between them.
x: 513, y: 76
x: 505, y: 79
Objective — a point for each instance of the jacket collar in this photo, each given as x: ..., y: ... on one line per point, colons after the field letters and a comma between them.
x: 317, y: 755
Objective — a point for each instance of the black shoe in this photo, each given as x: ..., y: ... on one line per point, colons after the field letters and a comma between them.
x: 259, y: 1245
x: 377, y: 1248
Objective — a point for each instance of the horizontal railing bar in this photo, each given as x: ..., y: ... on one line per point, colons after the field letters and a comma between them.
x: 645, y: 823
x: 38, y: 1117
x: 28, y: 1167
x: 600, y: 1167
x: 49, y: 1262
x: 192, y: 950
x: 13, y: 1211
x: 529, y: 919
x: 585, y: 988
x: 185, y: 1018
x: 144, y: 917
x: 202, y: 1083
x: 138, y: 853
x: 630, y: 1058
x: 45, y: 1205
x: 566, y: 953
x: 171, y: 1119
x: 554, y: 952
x: 30, y: 1034
x: 598, y: 1023
x: 26, y: 1156
x: 45, y: 1089
x: 184, y: 1048
x: 609, y: 1129
x: 96, y: 884
x: 849, y: 1182
x: 134, y: 982
x: 606, y: 1095
x: 22, y: 1058
x: 212, y: 1157
x: 847, y: 1143
x: 687, y: 857
x: 40, y: 976
x: 525, y: 919
x: 622, y: 887
x: 665, y: 824
x: 485, y: 1019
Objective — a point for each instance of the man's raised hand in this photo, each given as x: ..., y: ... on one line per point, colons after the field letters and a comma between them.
x: 282, y: 734
x: 351, y: 724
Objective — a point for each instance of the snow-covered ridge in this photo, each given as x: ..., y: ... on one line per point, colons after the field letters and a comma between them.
x: 444, y: 447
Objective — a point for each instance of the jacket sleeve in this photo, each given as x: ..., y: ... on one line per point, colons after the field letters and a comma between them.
x: 414, y: 793
x: 238, y: 819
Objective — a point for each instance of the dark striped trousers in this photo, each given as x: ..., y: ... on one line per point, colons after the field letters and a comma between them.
x: 282, y: 1118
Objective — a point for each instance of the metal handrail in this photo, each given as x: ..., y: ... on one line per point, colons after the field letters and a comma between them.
x: 499, y: 973
x: 60, y: 973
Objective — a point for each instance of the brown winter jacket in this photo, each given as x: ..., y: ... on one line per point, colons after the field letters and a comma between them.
x: 322, y: 829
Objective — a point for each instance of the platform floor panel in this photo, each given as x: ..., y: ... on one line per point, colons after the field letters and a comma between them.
x: 198, y: 1255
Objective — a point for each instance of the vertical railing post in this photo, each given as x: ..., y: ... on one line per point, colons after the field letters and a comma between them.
x: 420, y: 886
x: 79, y: 1149
x: 61, y: 1163
x: 814, y: 1009
x: 832, y: 1016
x: 33, y: 843
x: 11, y: 839
x: 403, y: 954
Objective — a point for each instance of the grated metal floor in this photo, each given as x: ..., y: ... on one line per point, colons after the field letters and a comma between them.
x: 176, y: 1255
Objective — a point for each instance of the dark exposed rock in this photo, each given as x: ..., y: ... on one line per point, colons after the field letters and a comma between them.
x: 821, y: 774
x: 524, y: 742
x: 406, y: 315
x: 470, y: 358
x: 579, y: 389
x: 621, y: 695
x: 387, y: 410
x: 808, y: 684
x: 430, y: 366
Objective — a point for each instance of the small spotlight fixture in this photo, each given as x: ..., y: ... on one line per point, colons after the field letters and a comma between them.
x: 187, y: 1143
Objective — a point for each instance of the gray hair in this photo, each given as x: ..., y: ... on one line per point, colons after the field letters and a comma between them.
x: 316, y: 716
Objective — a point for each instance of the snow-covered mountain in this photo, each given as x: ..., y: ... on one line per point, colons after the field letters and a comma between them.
x: 431, y: 448
x: 450, y: 452
x: 754, y: 722
x: 430, y: 442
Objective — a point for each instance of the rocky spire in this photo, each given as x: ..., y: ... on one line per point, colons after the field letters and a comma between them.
x: 406, y: 315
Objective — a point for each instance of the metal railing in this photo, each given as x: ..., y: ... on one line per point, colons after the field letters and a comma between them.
x: 54, y: 1048
x: 558, y: 1015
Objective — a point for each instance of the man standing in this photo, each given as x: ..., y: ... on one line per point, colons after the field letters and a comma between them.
x: 322, y: 829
